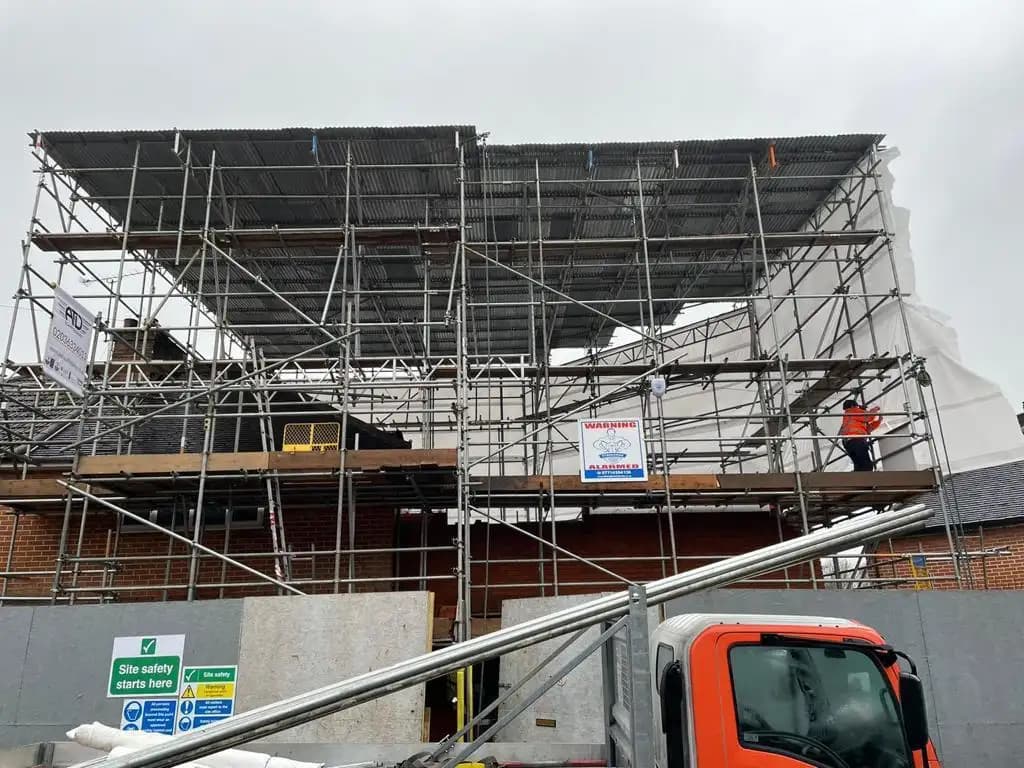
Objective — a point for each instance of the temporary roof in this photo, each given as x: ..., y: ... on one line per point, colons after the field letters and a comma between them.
x: 589, y: 213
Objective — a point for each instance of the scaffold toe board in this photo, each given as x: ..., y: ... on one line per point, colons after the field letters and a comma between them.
x: 835, y: 489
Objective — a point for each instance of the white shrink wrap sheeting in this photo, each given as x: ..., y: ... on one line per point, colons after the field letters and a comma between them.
x: 118, y: 742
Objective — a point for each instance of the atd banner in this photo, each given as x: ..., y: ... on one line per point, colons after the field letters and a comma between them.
x: 66, y: 359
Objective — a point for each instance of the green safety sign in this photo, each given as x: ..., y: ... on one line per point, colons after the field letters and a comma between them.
x: 199, y: 675
x: 207, y: 696
x: 145, y: 666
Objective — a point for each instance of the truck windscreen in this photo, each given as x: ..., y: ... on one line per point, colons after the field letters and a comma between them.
x: 825, y: 705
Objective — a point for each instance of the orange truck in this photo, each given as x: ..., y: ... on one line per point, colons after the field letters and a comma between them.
x: 750, y: 691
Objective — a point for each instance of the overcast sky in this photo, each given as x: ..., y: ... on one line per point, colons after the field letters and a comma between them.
x: 944, y: 80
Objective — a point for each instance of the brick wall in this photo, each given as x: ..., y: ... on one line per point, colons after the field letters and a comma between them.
x: 1002, y: 572
x: 599, y: 536
x: 38, y: 537
x: 634, y: 536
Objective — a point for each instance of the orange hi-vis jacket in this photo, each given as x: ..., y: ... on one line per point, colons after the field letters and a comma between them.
x: 859, y: 423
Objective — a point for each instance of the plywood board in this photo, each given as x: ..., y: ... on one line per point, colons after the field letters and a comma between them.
x: 290, y: 645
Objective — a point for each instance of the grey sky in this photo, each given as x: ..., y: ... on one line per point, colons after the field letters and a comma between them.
x: 942, y: 79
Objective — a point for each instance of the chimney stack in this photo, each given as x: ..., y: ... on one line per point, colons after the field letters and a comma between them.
x: 128, y: 337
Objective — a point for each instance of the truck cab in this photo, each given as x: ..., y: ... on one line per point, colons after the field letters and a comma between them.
x: 746, y: 691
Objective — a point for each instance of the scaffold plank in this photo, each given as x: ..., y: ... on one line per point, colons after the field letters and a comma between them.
x: 533, y: 484
x: 191, y: 463
x: 368, y: 460
x: 169, y: 463
x: 426, y: 478
x: 834, y: 490
x: 37, y: 488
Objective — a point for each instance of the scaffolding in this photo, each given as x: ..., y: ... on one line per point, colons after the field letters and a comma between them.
x: 453, y: 306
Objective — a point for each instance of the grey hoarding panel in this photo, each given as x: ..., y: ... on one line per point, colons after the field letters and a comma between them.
x: 15, y: 624
x: 63, y: 680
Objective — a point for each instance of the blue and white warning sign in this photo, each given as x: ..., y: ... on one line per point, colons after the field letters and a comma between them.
x: 148, y: 715
x: 612, y: 450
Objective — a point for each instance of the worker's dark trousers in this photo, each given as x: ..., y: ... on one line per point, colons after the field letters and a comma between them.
x: 859, y: 451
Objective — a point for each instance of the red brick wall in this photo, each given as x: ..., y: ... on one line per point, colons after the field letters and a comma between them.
x: 599, y: 536
x: 1002, y: 572
x: 635, y: 535
x: 628, y: 535
x: 38, y: 537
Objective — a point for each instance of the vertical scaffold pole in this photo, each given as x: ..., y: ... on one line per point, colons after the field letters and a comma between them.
x: 783, y: 382
x: 23, y: 290
x: 426, y: 396
x: 198, y: 522
x: 69, y: 498
x: 9, y: 562
x: 350, y: 485
x: 115, y: 293
x: 345, y: 256
x: 464, y: 606
x: 659, y: 358
x: 545, y: 366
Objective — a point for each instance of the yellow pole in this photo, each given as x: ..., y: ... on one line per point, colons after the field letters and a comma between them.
x: 460, y: 700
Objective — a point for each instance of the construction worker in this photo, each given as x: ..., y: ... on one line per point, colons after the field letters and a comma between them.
x: 857, y: 424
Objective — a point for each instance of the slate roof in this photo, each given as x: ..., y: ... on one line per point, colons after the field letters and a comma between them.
x: 163, y: 434
x: 980, y: 496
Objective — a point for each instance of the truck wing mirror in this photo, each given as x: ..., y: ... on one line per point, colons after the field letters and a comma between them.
x: 673, y: 715
x: 915, y: 716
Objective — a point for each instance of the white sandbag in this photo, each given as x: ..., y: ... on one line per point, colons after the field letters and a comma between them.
x: 115, y: 741
x: 120, y: 751
x: 104, y: 738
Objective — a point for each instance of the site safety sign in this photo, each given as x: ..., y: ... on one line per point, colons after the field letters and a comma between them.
x: 207, y: 696
x: 66, y: 359
x: 145, y: 666
x: 149, y: 715
x: 612, y: 450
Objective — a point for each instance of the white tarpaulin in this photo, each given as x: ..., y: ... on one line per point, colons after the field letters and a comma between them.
x: 975, y: 426
x: 66, y: 359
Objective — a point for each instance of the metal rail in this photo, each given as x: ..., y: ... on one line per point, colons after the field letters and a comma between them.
x: 300, y: 709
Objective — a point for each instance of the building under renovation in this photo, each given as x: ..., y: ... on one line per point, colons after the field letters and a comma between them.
x: 358, y: 359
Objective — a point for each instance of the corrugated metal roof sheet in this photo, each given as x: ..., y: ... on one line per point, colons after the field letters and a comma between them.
x: 592, y: 194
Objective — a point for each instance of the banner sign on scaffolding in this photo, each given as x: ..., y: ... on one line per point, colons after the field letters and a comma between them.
x: 612, y: 450
x: 66, y: 359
